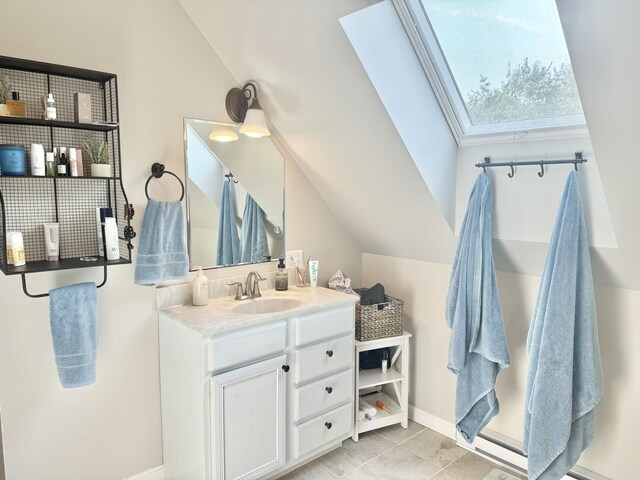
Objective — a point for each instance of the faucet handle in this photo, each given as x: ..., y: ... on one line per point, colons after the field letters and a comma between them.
x: 239, y: 291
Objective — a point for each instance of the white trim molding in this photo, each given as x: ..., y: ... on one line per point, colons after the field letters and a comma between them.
x: 492, y: 445
x: 156, y: 473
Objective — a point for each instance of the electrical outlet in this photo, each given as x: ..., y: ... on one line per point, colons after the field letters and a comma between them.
x: 296, y: 255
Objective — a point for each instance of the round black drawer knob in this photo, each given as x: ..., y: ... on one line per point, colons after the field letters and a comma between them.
x: 329, y: 353
x: 285, y: 368
x: 328, y: 425
x: 329, y: 389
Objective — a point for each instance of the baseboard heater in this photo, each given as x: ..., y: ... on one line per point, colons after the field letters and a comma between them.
x: 502, y: 450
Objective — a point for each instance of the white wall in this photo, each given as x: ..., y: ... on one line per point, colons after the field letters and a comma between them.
x: 166, y: 71
x: 424, y: 285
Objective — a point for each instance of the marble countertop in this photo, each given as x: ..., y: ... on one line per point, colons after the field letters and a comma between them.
x: 218, y: 316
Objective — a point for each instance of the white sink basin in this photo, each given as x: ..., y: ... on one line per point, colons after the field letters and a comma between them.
x: 266, y: 305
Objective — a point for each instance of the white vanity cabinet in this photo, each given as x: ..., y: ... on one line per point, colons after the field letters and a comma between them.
x: 253, y: 396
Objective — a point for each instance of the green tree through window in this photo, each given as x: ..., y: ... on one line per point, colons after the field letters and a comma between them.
x: 529, y: 91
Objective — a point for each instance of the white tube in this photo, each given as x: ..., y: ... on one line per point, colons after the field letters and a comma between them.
x: 52, y: 241
x: 313, y: 272
x: 73, y: 162
x: 9, y: 248
x: 17, y: 247
x: 111, y: 238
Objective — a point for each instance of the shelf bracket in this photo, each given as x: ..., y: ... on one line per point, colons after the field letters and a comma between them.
x: 41, y: 295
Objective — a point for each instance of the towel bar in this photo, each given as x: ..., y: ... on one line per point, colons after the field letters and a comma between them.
x: 40, y: 295
x: 157, y: 170
x: 578, y: 158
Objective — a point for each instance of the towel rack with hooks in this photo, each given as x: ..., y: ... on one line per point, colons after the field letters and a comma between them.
x: 157, y: 171
x: 578, y: 158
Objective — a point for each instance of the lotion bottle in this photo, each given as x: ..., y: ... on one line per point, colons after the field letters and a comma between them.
x: 200, y: 295
x: 112, y: 249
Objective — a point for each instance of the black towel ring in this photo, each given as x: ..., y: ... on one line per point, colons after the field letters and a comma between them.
x: 157, y: 170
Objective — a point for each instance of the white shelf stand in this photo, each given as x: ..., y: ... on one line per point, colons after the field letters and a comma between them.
x: 397, y: 376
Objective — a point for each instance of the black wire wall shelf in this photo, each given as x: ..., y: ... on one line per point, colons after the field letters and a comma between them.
x: 96, y: 127
x: 27, y: 202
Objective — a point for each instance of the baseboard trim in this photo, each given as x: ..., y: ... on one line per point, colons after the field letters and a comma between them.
x: 495, y: 449
x: 156, y: 473
x: 437, y: 424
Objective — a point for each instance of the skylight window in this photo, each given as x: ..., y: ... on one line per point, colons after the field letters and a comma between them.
x: 497, y: 66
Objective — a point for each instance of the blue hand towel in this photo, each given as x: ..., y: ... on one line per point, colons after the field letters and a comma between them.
x: 254, y: 238
x: 228, y: 249
x: 564, y: 382
x: 162, y: 253
x: 74, y: 333
x: 478, y: 346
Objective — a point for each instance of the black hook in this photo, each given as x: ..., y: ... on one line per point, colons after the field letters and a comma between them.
x: 510, y: 175
x: 541, y: 172
x: 577, y: 158
x: 486, y: 160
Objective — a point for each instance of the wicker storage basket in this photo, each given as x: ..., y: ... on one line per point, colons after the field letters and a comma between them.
x: 381, y: 320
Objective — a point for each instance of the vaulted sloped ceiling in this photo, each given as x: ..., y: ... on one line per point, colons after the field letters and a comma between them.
x: 321, y: 103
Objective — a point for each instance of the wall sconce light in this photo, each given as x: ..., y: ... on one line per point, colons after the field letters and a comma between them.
x: 224, y: 132
x: 250, y: 115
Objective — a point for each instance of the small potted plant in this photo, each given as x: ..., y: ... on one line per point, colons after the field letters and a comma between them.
x: 98, y: 154
x: 5, y: 94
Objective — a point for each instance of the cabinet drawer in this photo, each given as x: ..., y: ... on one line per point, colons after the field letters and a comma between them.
x: 323, y: 395
x: 321, y: 431
x: 247, y: 346
x: 321, y: 360
x: 323, y: 325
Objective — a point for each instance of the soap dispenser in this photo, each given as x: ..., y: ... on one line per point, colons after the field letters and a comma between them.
x: 200, y: 295
x: 282, y: 277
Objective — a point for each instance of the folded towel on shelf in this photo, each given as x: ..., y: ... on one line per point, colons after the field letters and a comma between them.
x: 373, y: 295
x: 564, y: 382
x: 228, y: 247
x: 478, y: 346
x: 254, y: 237
x: 162, y: 252
x: 73, y: 318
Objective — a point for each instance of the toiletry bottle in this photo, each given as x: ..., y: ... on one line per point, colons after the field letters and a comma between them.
x: 73, y: 163
x: 17, y: 246
x: 17, y: 108
x: 200, y: 295
x: 282, y: 276
x: 9, y: 248
x: 62, y: 163
x: 50, y: 112
x: 79, y: 165
x: 112, y: 249
x: 385, y: 360
x: 37, y: 160
x: 50, y: 164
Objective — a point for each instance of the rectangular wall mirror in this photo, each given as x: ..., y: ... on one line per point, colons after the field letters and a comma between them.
x: 235, y: 197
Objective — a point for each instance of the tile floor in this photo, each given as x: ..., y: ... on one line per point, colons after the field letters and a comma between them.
x: 394, y: 453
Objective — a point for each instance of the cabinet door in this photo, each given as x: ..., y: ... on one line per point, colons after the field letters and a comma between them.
x: 248, y: 420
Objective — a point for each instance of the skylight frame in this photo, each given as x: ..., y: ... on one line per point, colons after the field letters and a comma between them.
x: 430, y: 54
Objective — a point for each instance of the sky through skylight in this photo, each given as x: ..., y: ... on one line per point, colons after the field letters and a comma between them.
x: 481, y: 38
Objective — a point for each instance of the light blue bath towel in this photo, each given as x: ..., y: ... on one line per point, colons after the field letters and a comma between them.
x: 228, y: 247
x: 564, y: 383
x: 73, y: 318
x: 254, y: 238
x: 478, y: 346
x: 162, y: 253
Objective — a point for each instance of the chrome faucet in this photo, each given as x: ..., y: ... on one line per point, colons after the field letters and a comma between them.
x: 253, y: 288
x: 250, y: 288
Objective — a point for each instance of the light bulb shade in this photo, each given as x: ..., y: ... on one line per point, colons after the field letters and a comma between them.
x: 223, y: 133
x: 255, y: 124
